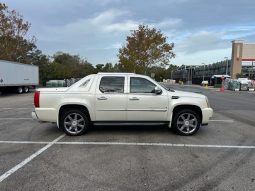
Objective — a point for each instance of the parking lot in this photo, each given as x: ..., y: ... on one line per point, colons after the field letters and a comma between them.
x: 221, y: 156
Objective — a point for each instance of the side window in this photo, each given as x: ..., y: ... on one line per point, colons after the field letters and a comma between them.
x: 112, y: 84
x: 141, y: 85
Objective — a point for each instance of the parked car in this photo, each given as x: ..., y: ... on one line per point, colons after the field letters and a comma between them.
x: 120, y: 98
x: 204, y: 83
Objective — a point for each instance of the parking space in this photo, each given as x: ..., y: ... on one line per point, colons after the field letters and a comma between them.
x: 38, y: 156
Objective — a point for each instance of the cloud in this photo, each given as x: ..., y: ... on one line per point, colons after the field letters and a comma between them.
x: 107, y: 2
x: 202, y: 41
x: 107, y: 16
x: 169, y: 23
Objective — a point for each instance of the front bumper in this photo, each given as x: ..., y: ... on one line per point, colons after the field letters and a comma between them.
x: 34, y: 116
x: 207, y: 113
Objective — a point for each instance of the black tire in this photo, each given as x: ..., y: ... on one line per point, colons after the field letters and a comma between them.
x: 70, y: 128
x: 194, y: 122
x: 25, y: 89
x: 19, y: 90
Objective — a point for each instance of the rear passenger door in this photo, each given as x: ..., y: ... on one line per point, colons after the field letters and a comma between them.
x: 111, y: 98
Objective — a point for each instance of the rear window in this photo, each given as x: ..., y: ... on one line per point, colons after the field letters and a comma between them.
x: 112, y: 84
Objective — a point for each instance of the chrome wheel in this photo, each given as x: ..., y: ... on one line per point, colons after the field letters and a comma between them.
x: 187, y: 123
x: 74, y: 123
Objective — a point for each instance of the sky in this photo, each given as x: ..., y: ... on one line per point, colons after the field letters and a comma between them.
x: 202, y: 30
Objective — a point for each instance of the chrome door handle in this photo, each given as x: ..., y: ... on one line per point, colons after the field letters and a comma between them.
x: 102, y: 98
x: 133, y: 98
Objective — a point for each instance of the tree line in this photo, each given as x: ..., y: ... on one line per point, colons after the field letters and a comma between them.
x: 146, y: 51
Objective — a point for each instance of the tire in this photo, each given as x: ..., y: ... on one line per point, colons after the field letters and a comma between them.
x: 25, y: 89
x: 19, y: 90
x: 186, y: 122
x: 74, y: 122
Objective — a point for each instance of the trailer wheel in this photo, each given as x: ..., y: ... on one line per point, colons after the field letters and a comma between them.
x: 20, y: 90
x: 25, y: 89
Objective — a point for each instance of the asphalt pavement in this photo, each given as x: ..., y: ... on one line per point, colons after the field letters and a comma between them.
x: 38, y: 156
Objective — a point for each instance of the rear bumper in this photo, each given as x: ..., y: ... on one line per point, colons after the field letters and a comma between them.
x: 207, y: 113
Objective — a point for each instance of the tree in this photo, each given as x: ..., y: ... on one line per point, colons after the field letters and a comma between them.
x: 108, y: 67
x: 65, y: 66
x: 146, y: 47
x: 99, y: 67
x: 43, y: 62
x: 14, y: 44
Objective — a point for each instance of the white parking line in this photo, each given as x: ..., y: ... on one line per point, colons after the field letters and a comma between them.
x: 28, y: 118
x: 27, y: 160
x: 25, y: 142
x: 222, y: 120
x: 16, y: 108
x: 16, y: 118
x: 132, y: 144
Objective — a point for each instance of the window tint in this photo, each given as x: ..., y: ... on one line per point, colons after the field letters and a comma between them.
x: 112, y: 84
x: 141, y: 85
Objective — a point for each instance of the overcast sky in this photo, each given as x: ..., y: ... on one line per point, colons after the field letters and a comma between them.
x: 202, y: 30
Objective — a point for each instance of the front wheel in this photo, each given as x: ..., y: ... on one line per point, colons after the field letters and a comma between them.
x: 186, y: 122
x: 74, y: 122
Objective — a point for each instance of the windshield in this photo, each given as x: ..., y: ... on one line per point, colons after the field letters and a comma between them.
x: 166, y: 87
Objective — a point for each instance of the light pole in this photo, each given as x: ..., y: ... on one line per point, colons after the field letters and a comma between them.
x: 226, y: 58
x: 191, y: 74
x: 252, y: 70
x: 204, y: 72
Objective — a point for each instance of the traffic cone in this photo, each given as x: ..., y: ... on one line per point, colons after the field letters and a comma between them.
x: 222, y: 88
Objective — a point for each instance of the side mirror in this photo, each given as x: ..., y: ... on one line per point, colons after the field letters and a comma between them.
x: 157, y: 90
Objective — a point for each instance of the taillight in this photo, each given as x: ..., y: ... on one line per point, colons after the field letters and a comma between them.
x: 37, y: 99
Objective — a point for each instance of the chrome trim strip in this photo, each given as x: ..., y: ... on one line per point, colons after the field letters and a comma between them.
x: 112, y: 110
x: 157, y: 110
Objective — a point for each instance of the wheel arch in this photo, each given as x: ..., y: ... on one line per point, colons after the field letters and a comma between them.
x: 194, y: 108
x: 73, y: 106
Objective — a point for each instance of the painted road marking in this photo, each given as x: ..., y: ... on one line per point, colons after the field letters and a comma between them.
x: 25, y: 142
x: 27, y: 160
x: 16, y: 118
x: 28, y: 118
x: 16, y: 107
x: 131, y: 144
x: 222, y: 120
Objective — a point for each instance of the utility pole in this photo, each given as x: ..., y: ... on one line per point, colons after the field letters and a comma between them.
x: 226, y: 58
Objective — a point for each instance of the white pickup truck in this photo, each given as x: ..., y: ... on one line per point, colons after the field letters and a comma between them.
x: 120, y: 98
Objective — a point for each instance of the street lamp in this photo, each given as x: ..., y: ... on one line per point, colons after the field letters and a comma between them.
x: 226, y: 58
x: 204, y: 72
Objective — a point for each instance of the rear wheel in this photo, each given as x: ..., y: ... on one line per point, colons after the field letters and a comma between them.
x: 186, y: 122
x: 20, y: 90
x: 74, y: 122
x: 25, y: 89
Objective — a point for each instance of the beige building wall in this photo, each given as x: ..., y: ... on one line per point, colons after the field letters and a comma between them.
x: 236, y: 64
x: 241, y: 52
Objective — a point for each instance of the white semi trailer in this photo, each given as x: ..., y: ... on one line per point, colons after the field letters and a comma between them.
x: 18, y: 77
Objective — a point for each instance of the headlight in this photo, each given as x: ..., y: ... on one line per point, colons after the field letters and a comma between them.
x: 207, y: 102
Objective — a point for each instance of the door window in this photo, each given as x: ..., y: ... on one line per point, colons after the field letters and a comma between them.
x: 141, y: 85
x: 112, y: 84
